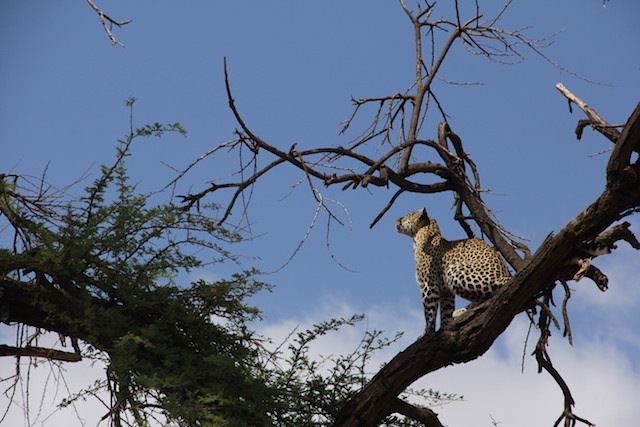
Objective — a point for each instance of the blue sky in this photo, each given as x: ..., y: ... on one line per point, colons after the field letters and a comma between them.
x: 294, y: 67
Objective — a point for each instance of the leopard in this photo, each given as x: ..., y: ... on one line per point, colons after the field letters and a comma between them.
x: 469, y: 268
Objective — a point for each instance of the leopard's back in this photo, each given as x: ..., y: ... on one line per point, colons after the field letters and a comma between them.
x: 472, y: 269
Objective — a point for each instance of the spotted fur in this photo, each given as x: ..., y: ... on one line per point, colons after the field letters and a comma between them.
x: 469, y: 268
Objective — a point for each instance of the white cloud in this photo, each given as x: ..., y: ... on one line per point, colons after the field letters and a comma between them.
x: 43, y: 386
x: 602, y: 369
x: 603, y: 380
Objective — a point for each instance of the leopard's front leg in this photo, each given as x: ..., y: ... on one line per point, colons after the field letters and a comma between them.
x: 430, y: 300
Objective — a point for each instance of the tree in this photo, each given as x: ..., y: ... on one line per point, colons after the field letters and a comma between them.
x: 413, y: 163
x: 104, y: 273
x: 566, y: 255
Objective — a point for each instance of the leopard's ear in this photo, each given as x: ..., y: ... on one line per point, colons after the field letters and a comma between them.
x: 423, y: 214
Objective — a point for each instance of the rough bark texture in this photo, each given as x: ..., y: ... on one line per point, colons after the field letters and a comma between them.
x: 471, y: 336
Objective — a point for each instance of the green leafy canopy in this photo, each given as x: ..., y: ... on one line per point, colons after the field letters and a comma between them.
x: 108, y: 271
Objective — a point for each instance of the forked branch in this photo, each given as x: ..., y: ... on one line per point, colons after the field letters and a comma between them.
x: 544, y: 362
x: 416, y: 164
x: 473, y: 333
x: 360, y: 163
x: 108, y: 23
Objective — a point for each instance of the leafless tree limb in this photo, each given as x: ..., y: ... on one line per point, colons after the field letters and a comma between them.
x: 395, y: 166
x: 565, y: 314
x: 472, y: 334
x: 108, y: 23
x: 594, y: 120
x: 415, y: 164
x: 47, y: 353
x: 422, y: 414
x: 544, y: 362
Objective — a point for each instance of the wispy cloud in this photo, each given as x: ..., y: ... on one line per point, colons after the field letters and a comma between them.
x: 42, y: 388
x: 602, y: 368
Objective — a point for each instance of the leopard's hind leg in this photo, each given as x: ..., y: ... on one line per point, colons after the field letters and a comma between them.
x: 447, y: 305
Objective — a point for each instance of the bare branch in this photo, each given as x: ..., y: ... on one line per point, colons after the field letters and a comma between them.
x: 619, y: 169
x: 606, y: 240
x: 418, y: 413
x: 471, y: 334
x: 544, y: 362
x: 108, y: 23
x: 47, y: 353
x: 595, y: 121
x: 386, y: 208
x: 565, y: 313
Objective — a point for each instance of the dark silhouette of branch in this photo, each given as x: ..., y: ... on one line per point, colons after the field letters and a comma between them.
x: 544, y: 362
x: 415, y: 164
x: 424, y: 415
x: 47, y: 353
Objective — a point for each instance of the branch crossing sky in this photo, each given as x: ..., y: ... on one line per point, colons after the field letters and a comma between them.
x: 294, y: 67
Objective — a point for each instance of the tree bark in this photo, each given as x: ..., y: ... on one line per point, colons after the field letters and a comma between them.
x: 472, y: 334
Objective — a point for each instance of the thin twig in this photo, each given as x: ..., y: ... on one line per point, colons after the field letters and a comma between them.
x: 108, y: 23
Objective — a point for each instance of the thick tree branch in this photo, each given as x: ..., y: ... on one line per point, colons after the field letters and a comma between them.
x: 447, y: 167
x: 46, y: 353
x: 619, y: 170
x: 39, y: 306
x: 418, y: 413
x: 472, y: 334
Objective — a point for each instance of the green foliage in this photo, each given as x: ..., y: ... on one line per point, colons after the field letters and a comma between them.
x: 184, y: 348
x: 115, y: 267
x: 311, y: 390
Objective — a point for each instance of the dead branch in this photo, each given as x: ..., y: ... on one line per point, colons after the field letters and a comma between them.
x: 605, y: 242
x: 469, y: 336
x: 421, y: 165
x: 580, y: 265
x: 108, y: 23
x: 451, y: 172
x: 405, y: 110
x: 47, y: 353
x: 565, y: 313
x: 619, y: 169
x: 418, y: 413
x: 544, y: 363
x: 594, y: 120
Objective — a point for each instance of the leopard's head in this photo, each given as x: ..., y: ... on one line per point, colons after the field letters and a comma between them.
x: 414, y: 221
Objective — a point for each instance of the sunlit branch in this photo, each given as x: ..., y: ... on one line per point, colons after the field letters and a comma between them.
x: 108, y: 23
